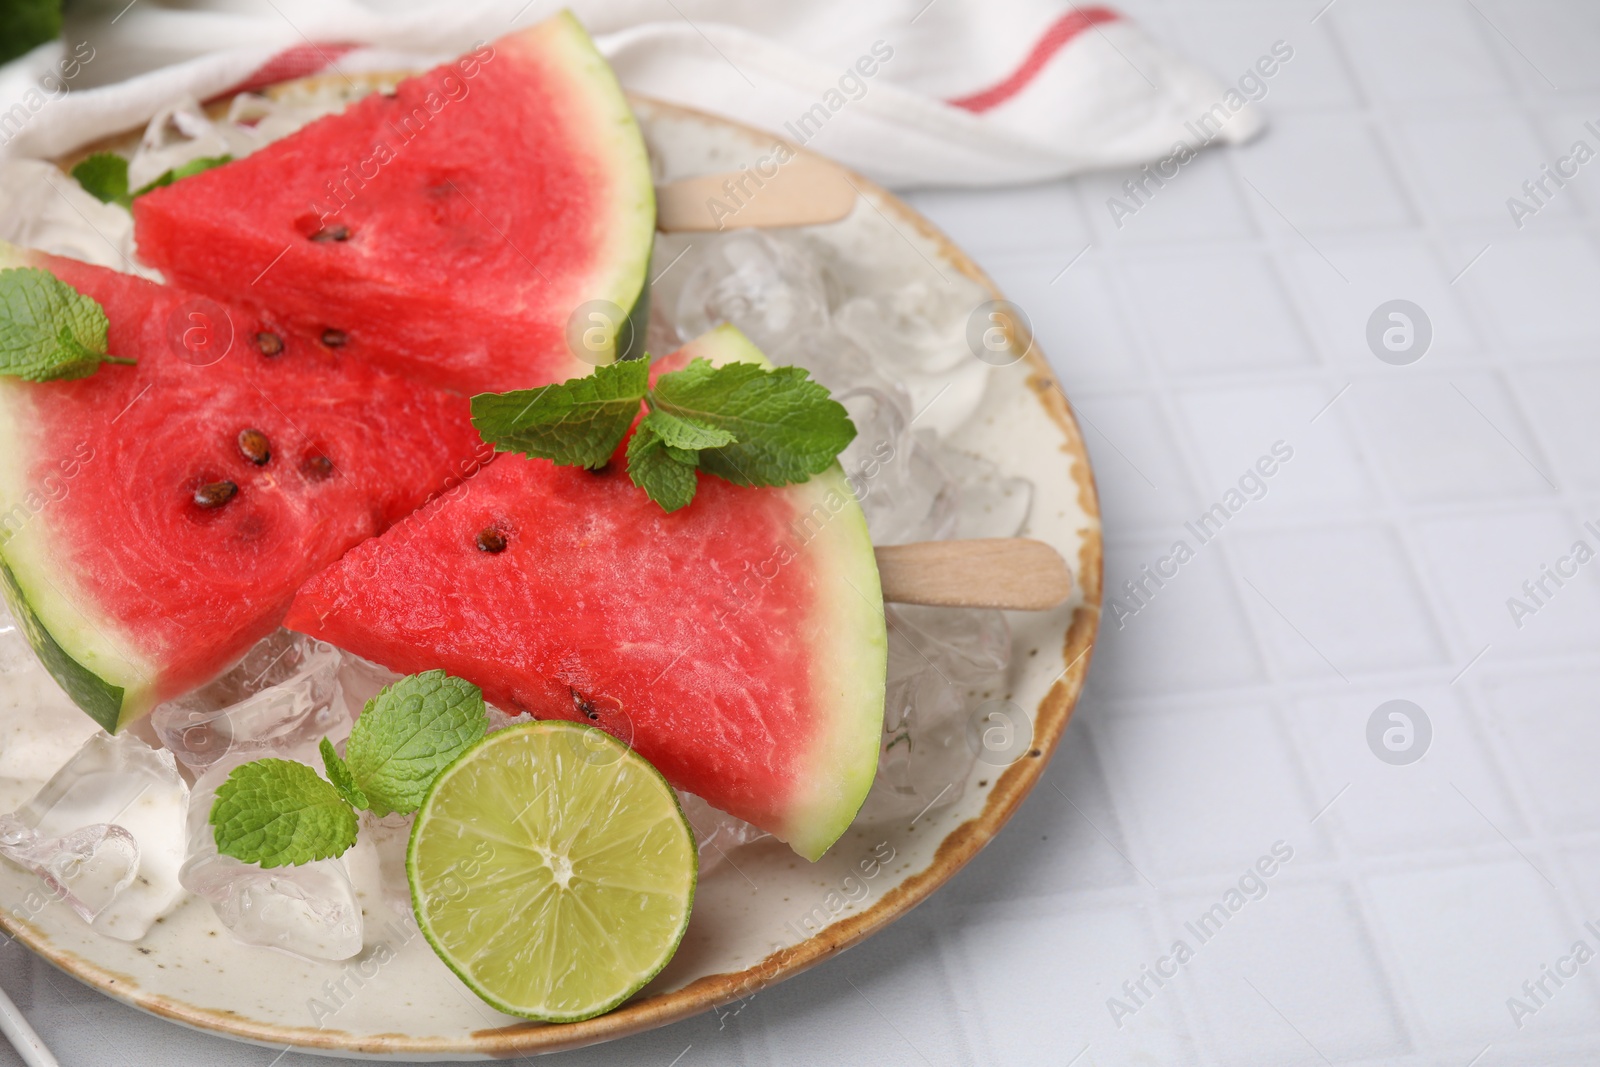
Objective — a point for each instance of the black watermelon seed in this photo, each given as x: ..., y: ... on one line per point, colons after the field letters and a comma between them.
x: 584, y: 705
x: 334, y: 338
x: 491, y: 541
x: 215, y: 494
x: 254, y: 446
x: 338, y: 232
x: 269, y: 343
x: 317, y: 467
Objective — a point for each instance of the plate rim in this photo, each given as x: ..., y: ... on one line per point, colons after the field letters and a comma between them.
x: 954, y: 851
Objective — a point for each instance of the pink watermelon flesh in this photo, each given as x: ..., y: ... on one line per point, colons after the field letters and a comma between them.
x: 449, y: 230
x: 132, y: 592
x: 737, y: 644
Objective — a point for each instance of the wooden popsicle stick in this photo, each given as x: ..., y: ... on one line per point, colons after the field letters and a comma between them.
x: 1013, y: 573
x: 802, y: 192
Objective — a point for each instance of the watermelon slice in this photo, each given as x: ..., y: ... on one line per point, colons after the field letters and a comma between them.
x: 135, y: 570
x: 449, y: 231
x: 738, y: 644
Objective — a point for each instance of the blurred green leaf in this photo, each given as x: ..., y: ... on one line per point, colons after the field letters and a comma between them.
x: 27, y: 24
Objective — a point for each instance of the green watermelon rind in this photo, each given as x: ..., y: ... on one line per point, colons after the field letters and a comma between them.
x: 630, y: 339
x: 102, y: 679
x: 852, y: 743
x: 635, y: 211
x: 836, y: 776
x: 102, y: 700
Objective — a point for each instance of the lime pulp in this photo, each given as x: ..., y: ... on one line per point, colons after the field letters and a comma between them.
x: 552, y: 869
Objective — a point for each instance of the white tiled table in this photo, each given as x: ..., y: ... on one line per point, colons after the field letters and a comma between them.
x: 1231, y: 713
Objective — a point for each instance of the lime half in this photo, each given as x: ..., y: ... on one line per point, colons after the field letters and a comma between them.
x: 552, y: 869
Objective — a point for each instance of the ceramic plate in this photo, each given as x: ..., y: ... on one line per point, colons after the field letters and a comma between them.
x: 770, y: 916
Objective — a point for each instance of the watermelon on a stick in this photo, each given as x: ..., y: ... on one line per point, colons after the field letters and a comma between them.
x: 738, y: 643
x: 158, y: 518
x: 451, y: 231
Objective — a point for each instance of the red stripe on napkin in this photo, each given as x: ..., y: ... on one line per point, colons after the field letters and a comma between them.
x: 1054, y: 38
x: 296, y: 62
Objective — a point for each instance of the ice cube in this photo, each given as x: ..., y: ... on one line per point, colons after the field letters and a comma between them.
x: 15, y: 655
x: 362, y: 680
x: 838, y: 362
x: 943, y: 665
x: 904, y: 492
x: 913, y: 329
x: 309, y: 910
x: 767, y: 288
x: 285, y: 692
x: 716, y: 833
x: 380, y: 858
x: 916, y: 336
x: 43, y: 728
x: 499, y: 720
x: 123, y: 783
x: 989, y: 504
x: 86, y: 869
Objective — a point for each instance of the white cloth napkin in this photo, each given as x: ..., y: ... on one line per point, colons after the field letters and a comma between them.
x: 911, y: 92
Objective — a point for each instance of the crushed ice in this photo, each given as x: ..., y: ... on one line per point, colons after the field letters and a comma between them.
x: 308, y: 910
x: 106, y: 834
x: 285, y: 692
x: 286, y: 695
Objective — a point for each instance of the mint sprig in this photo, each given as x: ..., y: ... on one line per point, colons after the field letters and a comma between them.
x: 276, y: 812
x: 104, y: 176
x: 742, y: 422
x: 48, y: 330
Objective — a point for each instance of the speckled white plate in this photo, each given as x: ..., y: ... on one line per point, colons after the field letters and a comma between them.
x: 772, y: 916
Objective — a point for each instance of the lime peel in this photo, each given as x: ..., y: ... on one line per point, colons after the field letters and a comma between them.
x: 552, y: 869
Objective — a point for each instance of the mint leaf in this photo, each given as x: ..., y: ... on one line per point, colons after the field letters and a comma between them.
x: 577, y: 424
x: 687, y: 434
x: 26, y: 24
x: 49, y: 330
x: 743, y: 422
x: 410, y: 732
x: 785, y: 426
x: 666, y: 474
x: 278, y: 813
x: 104, y: 176
x: 193, y: 167
x: 339, y: 774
